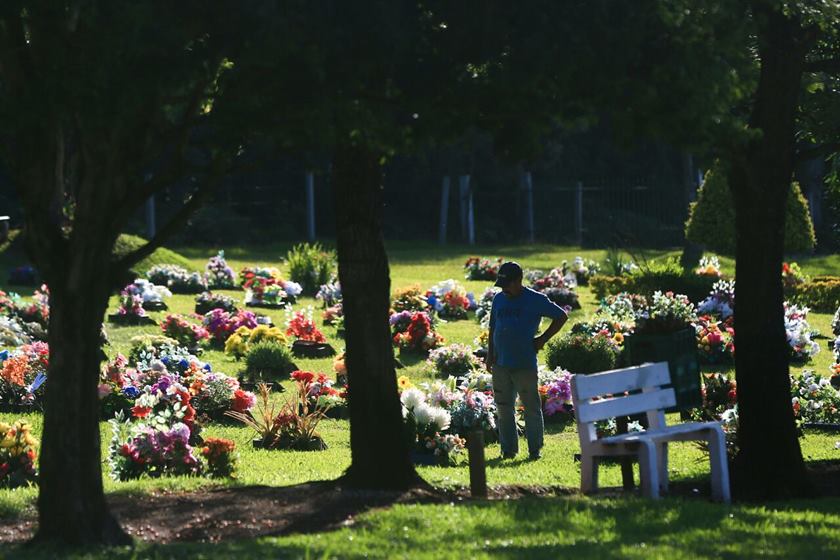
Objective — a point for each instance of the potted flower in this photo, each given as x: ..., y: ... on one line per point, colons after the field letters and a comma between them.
x: 309, y: 341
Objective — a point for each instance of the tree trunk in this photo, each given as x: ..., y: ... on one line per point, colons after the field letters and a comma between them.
x: 769, y: 464
x: 71, y: 502
x: 379, y: 449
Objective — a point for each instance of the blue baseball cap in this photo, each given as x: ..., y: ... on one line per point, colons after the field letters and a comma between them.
x: 508, y: 272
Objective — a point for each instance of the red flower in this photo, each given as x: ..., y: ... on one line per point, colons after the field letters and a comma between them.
x: 305, y: 377
x: 243, y: 400
x: 140, y: 411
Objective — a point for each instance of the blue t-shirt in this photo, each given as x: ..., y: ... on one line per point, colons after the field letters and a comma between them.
x: 515, y: 321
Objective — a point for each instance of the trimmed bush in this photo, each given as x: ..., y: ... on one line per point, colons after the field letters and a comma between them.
x: 581, y: 353
x: 310, y: 266
x: 268, y: 361
x: 822, y: 294
x: 711, y: 220
x: 647, y: 282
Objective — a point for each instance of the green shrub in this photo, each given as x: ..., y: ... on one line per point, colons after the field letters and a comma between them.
x: 128, y: 243
x: 711, y: 220
x: 268, y: 361
x: 822, y: 294
x: 310, y: 266
x: 581, y: 353
x: 665, y: 277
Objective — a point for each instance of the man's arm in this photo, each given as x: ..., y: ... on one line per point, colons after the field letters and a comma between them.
x: 553, y: 328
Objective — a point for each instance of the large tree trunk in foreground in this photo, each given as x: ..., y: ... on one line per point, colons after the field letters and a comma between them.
x: 769, y: 464
x: 379, y: 449
x: 71, y: 502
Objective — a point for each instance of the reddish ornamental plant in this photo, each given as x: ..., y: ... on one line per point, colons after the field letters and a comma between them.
x: 303, y: 328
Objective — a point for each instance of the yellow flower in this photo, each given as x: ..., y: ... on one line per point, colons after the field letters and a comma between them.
x: 403, y: 383
x: 618, y: 338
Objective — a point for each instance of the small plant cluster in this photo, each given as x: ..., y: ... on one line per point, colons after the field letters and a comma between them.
x: 18, y: 453
x: 218, y: 274
x: 248, y: 273
x: 478, y: 268
x: 177, y: 279
x: 440, y: 414
x: 454, y: 360
x: 266, y: 292
x: 450, y: 300
x: 23, y: 374
x: 205, y: 302
x: 720, y: 301
x: 240, y: 342
x: 666, y: 313
x: 414, y: 332
x: 292, y: 425
x: 151, y: 296
x: 582, y: 353
x: 715, y: 340
x: 311, y: 266
x: 792, y: 276
x: 720, y: 404
x: 329, y: 294
x: 186, y: 333
x: 814, y: 398
x: 409, y: 298
x: 300, y: 326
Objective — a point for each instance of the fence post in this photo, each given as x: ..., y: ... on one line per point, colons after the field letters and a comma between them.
x: 151, y: 227
x: 444, y: 210
x: 528, y: 187
x: 470, y: 218
x: 463, y: 203
x: 579, y: 213
x: 478, y: 471
x: 310, y: 205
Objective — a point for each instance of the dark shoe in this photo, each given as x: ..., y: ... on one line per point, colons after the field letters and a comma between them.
x: 508, y: 455
x: 535, y: 456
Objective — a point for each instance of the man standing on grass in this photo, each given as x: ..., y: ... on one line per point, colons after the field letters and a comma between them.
x: 512, y: 356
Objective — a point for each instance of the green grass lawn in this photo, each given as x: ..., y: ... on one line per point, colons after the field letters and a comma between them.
x: 596, y: 527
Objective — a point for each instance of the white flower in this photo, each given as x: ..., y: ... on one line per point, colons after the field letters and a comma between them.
x: 292, y: 288
x: 729, y: 416
x: 412, y: 398
x: 422, y: 414
x: 440, y: 418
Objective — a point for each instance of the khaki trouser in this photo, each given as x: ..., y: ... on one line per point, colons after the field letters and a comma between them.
x: 507, y: 383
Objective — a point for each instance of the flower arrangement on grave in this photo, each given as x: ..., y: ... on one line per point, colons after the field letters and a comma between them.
x: 413, y: 332
x: 131, y: 305
x: 340, y: 369
x: 248, y: 273
x: 151, y: 295
x: 583, y: 270
x: 720, y: 393
x: 241, y: 341
x: 177, y: 279
x: 484, y: 305
x: 12, y: 333
x: 557, y: 285
x: 709, y: 266
x: 666, y: 313
x: 622, y: 308
x: 424, y: 422
x: 222, y: 324
x: 715, y: 340
x: 792, y: 275
x: 555, y: 390
x: 218, y: 274
x: 266, y: 292
x: 37, y: 310
x: 611, y: 330
x: 18, y: 453
x: 454, y: 360
x: 323, y: 394
x: 23, y: 373
x: 482, y: 341
x: 329, y: 294
x: 410, y: 298
x: 178, y: 328
x: 814, y: 399
x: 450, y: 300
x: 8, y: 303
x: 478, y: 268
x: 720, y: 301
x: 291, y: 426
x: 299, y: 324
x: 799, y: 333
x: 334, y: 316
x: 206, y: 302
x: 475, y: 411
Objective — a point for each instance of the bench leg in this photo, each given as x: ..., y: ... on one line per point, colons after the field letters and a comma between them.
x: 588, y: 474
x: 719, y: 466
x: 649, y: 469
x: 662, y: 459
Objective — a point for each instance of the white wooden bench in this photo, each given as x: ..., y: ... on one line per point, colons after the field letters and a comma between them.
x: 601, y: 396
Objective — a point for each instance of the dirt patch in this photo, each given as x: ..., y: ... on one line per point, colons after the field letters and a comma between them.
x: 254, y: 511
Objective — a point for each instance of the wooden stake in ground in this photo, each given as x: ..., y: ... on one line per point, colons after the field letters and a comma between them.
x: 478, y: 466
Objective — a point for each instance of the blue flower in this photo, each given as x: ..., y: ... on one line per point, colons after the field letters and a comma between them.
x: 207, y: 367
x: 184, y: 363
x: 36, y: 383
x: 131, y: 392
x: 4, y: 355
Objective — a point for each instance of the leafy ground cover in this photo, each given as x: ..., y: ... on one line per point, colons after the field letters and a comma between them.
x: 536, y: 529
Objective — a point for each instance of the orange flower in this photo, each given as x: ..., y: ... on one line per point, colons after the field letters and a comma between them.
x: 14, y: 370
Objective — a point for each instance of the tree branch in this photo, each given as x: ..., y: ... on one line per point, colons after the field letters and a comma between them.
x: 198, y: 198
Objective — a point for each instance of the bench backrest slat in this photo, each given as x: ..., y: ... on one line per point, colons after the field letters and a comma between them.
x: 619, y: 381
x: 626, y: 405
